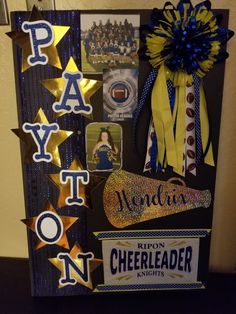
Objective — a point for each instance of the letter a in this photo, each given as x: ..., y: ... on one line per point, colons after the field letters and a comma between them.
x: 41, y: 134
x: 41, y: 35
x: 72, y: 99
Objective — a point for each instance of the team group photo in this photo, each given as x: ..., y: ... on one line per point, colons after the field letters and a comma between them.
x: 109, y: 41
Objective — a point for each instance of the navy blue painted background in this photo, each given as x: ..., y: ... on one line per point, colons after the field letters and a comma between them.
x: 37, y: 187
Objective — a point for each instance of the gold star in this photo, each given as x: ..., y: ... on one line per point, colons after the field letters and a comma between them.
x: 67, y: 222
x: 54, y: 141
x: 93, y: 264
x: 22, y: 39
x: 56, y: 86
x: 84, y: 190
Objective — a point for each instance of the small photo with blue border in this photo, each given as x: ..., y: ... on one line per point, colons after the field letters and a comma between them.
x: 104, y: 146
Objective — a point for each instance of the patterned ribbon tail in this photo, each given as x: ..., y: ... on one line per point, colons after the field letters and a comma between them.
x: 205, y: 130
x: 190, y: 162
x: 180, y: 125
x: 192, y: 135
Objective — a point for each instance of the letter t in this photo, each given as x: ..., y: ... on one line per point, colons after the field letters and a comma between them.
x: 74, y: 177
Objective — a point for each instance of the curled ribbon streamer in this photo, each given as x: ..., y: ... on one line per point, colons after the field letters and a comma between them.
x: 182, y: 43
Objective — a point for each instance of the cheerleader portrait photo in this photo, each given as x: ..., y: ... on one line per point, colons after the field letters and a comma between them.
x: 109, y: 41
x: 104, y: 146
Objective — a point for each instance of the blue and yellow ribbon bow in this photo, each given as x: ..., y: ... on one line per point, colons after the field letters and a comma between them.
x: 182, y: 45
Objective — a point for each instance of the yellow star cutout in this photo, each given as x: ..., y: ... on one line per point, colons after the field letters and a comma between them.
x: 93, y: 264
x: 88, y: 87
x: 52, y: 146
x: 84, y: 190
x: 67, y: 222
x: 22, y: 39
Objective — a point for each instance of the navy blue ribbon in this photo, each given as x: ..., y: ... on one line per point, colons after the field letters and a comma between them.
x: 154, y: 152
x: 180, y: 6
x: 142, y: 101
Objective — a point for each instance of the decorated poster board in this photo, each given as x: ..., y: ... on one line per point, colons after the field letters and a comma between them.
x: 119, y: 130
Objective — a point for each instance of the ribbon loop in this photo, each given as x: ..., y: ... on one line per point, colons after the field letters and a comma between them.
x: 169, y: 4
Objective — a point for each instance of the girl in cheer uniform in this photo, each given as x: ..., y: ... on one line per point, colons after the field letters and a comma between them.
x: 105, y: 151
x: 99, y: 52
x: 105, y: 52
x: 111, y: 51
x: 122, y: 52
x: 92, y: 53
x: 128, y: 52
x: 133, y: 53
x: 116, y: 51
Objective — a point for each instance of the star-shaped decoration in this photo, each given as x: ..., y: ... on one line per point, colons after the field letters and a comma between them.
x: 55, y: 140
x: 93, y: 264
x: 22, y: 39
x: 84, y: 190
x: 67, y: 222
x: 88, y: 87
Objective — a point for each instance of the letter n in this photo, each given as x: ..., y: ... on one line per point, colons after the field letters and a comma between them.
x: 74, y: 273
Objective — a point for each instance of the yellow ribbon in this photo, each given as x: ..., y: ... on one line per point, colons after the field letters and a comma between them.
x: 163, y: 121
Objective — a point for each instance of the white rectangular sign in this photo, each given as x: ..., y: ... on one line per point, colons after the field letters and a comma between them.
x: 150, y: 261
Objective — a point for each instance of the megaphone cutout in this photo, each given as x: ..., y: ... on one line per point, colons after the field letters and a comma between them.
x: 129, y: 198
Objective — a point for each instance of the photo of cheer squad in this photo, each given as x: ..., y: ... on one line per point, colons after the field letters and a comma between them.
x: 109, y: 41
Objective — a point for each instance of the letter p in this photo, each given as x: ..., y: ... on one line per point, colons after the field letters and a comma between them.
x: 41, y: 35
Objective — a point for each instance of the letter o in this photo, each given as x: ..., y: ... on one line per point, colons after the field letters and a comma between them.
x: 49, y: 227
